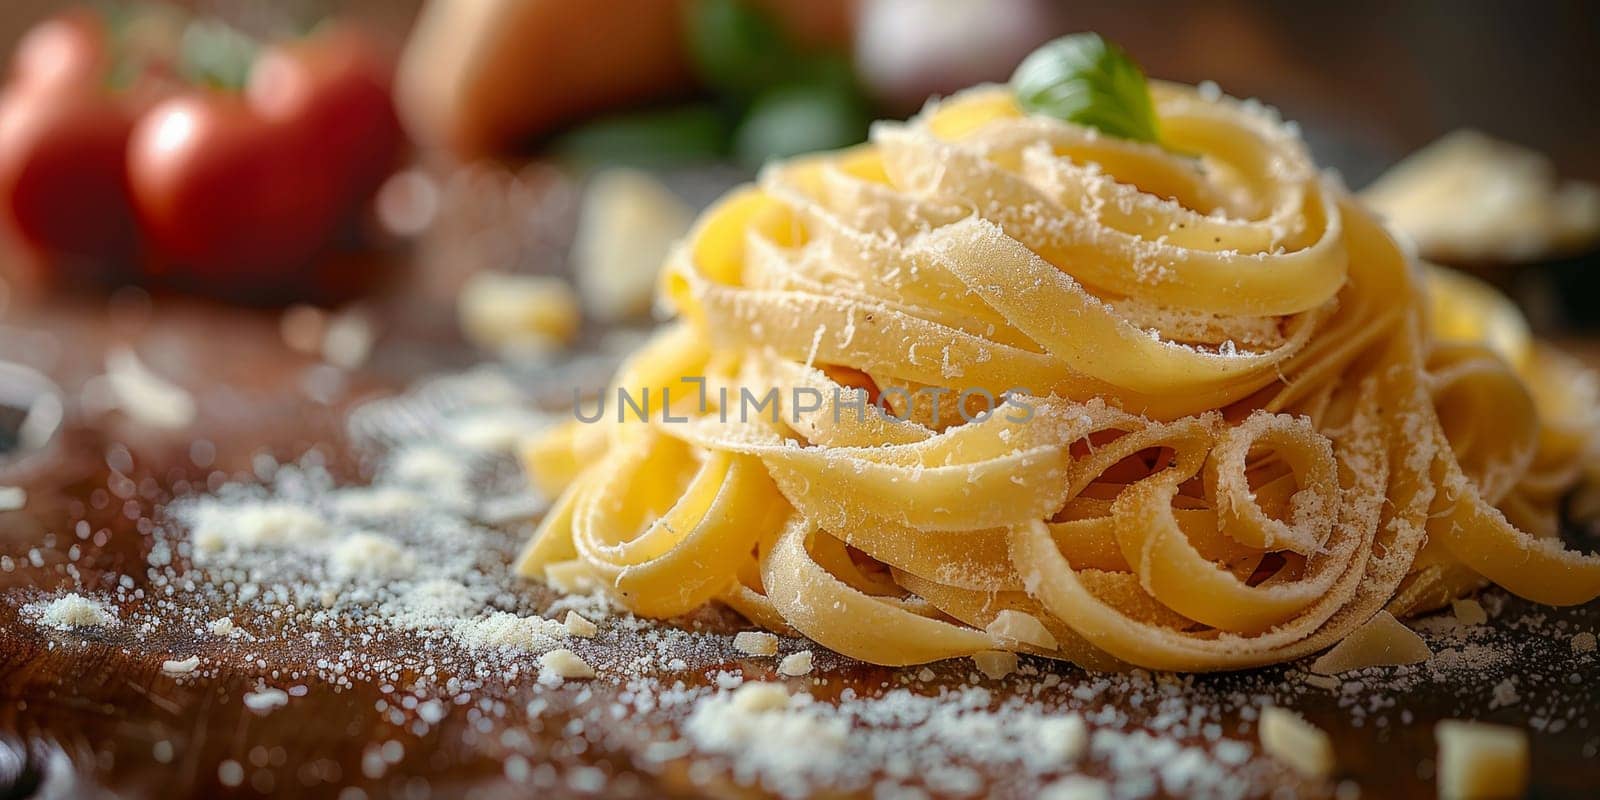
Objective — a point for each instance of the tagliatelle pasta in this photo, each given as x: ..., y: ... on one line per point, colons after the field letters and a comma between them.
x: 1187, y: 406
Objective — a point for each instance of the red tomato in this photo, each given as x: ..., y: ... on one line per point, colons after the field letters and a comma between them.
x: 337, y: 82
x: 63, y: 186
x: 227, y: 196
x: 68, y: 49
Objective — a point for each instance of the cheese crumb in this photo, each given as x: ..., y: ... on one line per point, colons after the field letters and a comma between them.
x: 1583, y: 642
x: 1477, y: 760
x: 1469, y: 612
x: 221, y: 626
x: 370, y: 555
x: 796, y: 664
x: 626, y: 230
x: 265, y: 700
x: 1063, y: 739
x: 183, y: 667
x: 147, y: 398
x: 504, y: 629
x: 499, y: 310
x: 13, y: 498
x: 221, y: 527
x: 1302, y: 746
x: 1382, y: 642
x: 1014, y: 627
x: 1075, y: 787
x: 1322, y: 681
x: 995, y: 663
x: 565, y: 664
x: 758, y: 696
x: 76, y: 611
x: 756, y: 643
x: 578, y: 626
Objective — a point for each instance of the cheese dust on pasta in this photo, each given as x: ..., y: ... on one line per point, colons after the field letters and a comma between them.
x: 1184, y: 405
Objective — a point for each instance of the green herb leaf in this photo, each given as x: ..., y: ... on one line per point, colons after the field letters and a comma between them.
x: 736, y: 48
x: 213, y: 53
x: 1084, y: 79
x: 686, y: 135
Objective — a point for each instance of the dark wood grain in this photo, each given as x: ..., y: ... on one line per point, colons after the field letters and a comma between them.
x: 85, y: 712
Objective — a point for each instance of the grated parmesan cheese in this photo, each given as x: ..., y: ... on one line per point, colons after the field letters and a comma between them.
x: 564, y: 664
x: 578, y: 626
x: 147, y: 398
x: 220, y: 527
x: 796, y: 664
x: 1295, y: 742
x: 183, y: 667
x: 13, y: 498
x: 1478, y: 760
x: 370, y: 554
x: 76, y: 611
x: 756, y: 643
x: 1382, y: 642
x: 497, y: 310
x: 756, y: 697
x: 1469, y: 612
x: 1075, y: 787
x: 263, y: 701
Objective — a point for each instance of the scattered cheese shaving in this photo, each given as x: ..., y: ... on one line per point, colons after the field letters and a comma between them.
x: 1014, y: 627
x: 348, y: 339
x: 995, y: 663
x: 1304, y: 747
x: 183, y: 667
x: 13, y: 498
x: 756, y: 643
x: 626, y: 230
x: 565, y: 664
x: 1469, y: 612
x: 1477, y: 760
x: 144, y: 396
x: 1382, y: 642
x: 796, y: 664
x: 1470, y: 197
x: 1322, y: 681
x: 498, y: 310
x: 265, y: 700
x: 578, y: 626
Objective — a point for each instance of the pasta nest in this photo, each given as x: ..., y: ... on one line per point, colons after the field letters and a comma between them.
x: 1187, y: 406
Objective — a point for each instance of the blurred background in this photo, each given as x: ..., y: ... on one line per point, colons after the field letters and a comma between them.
x: 514, y: 170
x: 1391, y: 74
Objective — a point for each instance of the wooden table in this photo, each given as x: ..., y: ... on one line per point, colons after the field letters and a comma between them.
x: 82, y: 714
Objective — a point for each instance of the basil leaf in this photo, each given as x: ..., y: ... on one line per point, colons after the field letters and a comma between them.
x: 1084, y: 79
